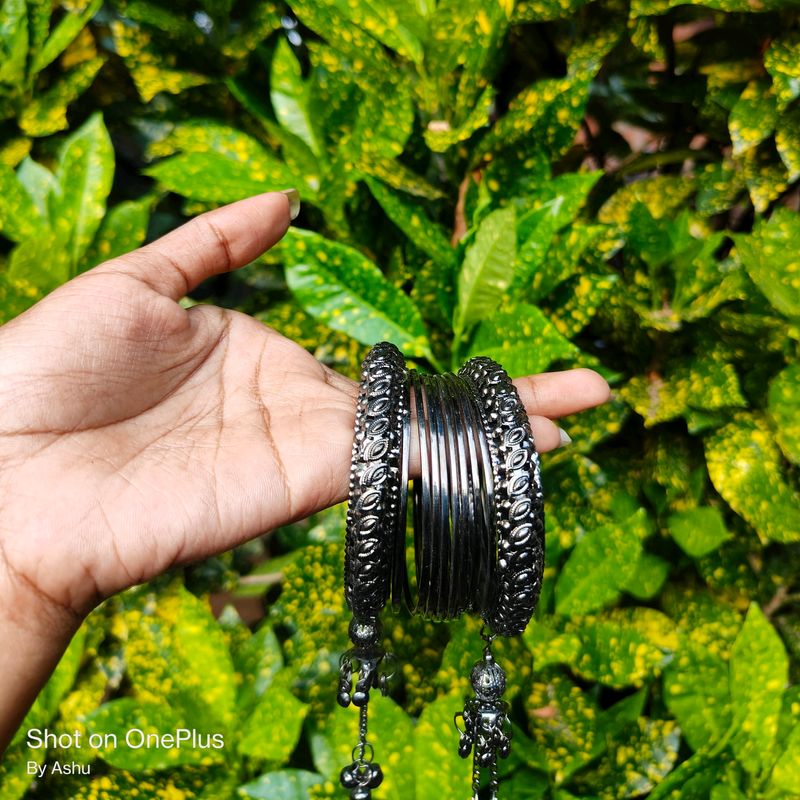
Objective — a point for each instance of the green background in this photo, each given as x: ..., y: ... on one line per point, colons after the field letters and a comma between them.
x: 553, y: 183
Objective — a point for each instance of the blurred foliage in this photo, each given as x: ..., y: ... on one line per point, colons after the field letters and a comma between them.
x: 555, y: 184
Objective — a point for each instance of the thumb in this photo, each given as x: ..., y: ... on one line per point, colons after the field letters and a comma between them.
x: 212, y: 243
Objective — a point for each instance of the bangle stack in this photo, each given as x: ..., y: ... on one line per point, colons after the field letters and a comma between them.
x: 478, y: 535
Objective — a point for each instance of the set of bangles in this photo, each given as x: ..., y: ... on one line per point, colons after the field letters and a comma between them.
x: 477, y: 535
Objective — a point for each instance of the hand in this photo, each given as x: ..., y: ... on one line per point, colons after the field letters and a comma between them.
x: 136, y: 434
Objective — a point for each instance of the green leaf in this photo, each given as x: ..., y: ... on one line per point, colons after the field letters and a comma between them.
x: 758, y: 675
x: 391, y: 733
x: 698, y: 531
x: 14, y: 776
x: 521, y: 338
x: 770, y: 255
x: 84, y: 174
x: 40, y: 184
x: 787, y: 140
x: 349, y: 293
x: 744, y: 466
x: 784, y: 408
x: 287, y: 784
x: 786, y: 772
x: 487, y: 270
x: 130, y: 721
x: 648, y: 578
x: 63, y: 34
x: 289, y: 96
x: 258, y: 659
x: 414, y: 223
x: 696, y: 686
x: 218, y: 164
x: 152, y: 70
x: 13, y: 41
x: 47, y: 113
x: 701, y: 383
x: 36, y: 267
x: 563, y: 719
x: 753, y: 117
x: 600, y: 565
x: 436, y: 764
x: 441, y: 137
x: 782, y: 60
x: 122, y: 230
x: 20, y: 218
x: 545, y: 10
x: 176, y: 653
x: 273, y: 728
x: 619, y: 648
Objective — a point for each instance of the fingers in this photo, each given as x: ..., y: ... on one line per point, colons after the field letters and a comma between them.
x: 557, y: 394
x: 212, y: 243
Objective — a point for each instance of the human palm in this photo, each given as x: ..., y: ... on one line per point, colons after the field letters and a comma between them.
x: 136, y: 434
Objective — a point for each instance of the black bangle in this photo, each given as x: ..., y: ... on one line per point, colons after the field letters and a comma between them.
x: 478, y: 533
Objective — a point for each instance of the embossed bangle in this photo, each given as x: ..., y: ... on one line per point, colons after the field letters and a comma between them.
x: 478, y: 534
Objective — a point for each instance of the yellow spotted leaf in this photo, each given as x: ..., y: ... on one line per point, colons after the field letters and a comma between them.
x: 759, y: 672
x: 745, y: 468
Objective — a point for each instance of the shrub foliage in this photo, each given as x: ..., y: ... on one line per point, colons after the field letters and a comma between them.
x: 553, y: 183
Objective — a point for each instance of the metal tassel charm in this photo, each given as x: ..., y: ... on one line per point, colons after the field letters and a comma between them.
x: 367, y: 661
x: 486, y: 728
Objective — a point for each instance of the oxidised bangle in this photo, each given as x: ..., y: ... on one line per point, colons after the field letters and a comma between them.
x: 478, y: 532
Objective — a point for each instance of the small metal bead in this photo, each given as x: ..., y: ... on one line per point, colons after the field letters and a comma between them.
x: 365, y: 633
x: 488, y: 679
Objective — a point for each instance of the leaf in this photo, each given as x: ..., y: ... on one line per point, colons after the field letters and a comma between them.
x: 784, y: 408
x: 414, y: 223
x: 391, y: 733
x: 64, y: 33
x: 289, y: 96
x: 753, y: 117
x: 436, y: 764
x: 744, y: 466
x: 648, y: 578
x: 696, y: 688
x: 440, y: 138
x: 619, y: 648
x: 695, y: 383
x: 122, y: 230
x: 487, y: 270
x: 782, y: 60
x: 598, y: 568
x: 176, y: 653
x: 130, y: 721
x: 222, y: 165
x: 698, y: 531
x: 37, y: 266
x: 151, y: 70
x: 576, y: 301
x: 662, y: 195
x: 19, y: 216
x: 273, y: 728
x: 787, y: 140
x: 84, y: 173
x: 348, y: 292
x: 40, y: 184
x: 287, y: 784
x: 765, y: 176
x: 563, y: 719
x: 521, y: 338
x: 312, y: 607
x: 14, y: 776
x: 758, y: 675
x: 786, y: 772
x: 770, y: 255
x: 47, y: 113
x: 545, y: 10
x: 13, y: 41
x: 258, y: 659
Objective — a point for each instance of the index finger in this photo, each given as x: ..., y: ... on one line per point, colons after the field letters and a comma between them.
x: 557, y: 394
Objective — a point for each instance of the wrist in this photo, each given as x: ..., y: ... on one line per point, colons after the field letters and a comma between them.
x: 34, y: 631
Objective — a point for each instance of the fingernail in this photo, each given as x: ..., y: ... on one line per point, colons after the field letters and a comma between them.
x: 565, y: 437
x: 294, y: 202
